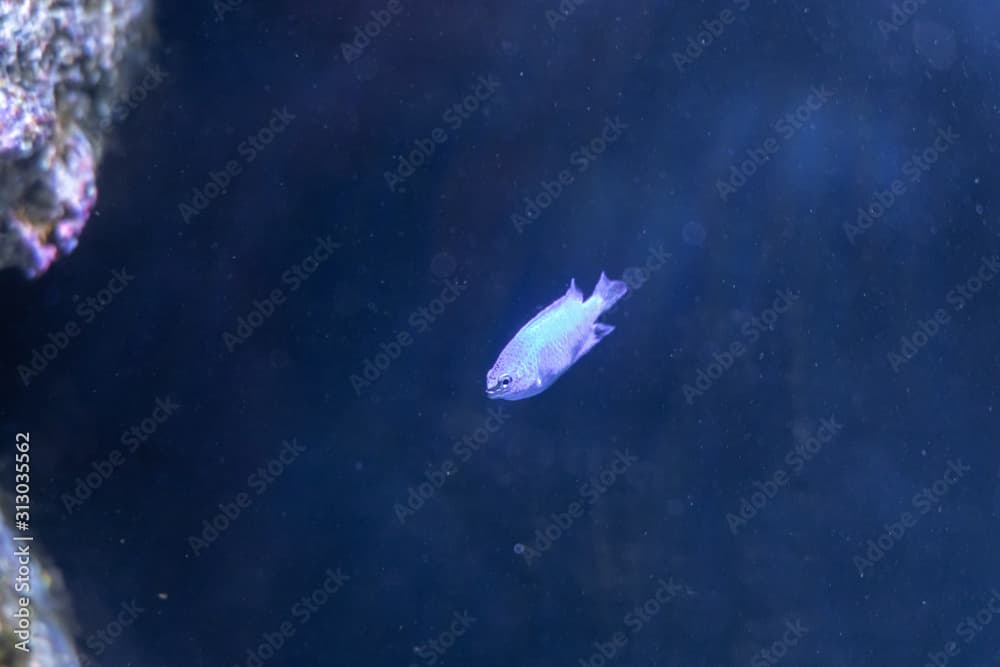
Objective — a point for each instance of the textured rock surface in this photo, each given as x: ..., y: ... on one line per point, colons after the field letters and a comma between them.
x: 51, y: 644
x: 62, y: 66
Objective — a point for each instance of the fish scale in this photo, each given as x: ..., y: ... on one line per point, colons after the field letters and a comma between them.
x: 552, y: 341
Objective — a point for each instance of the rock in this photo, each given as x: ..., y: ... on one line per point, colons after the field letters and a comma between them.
x: 63, y: 64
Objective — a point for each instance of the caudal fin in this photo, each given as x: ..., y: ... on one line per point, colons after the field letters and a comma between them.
x: 608, y: 291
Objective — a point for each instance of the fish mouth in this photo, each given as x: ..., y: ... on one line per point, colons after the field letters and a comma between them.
x: 494, y: 391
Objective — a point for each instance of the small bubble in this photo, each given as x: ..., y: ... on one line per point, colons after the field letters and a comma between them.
x: 519, y: 548
x: 443, y: 265
x: 936, y: 43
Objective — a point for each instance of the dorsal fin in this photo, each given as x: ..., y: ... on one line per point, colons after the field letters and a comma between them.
x: 572, y: 294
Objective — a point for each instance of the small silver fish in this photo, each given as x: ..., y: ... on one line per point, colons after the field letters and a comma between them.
x: 552, y: 341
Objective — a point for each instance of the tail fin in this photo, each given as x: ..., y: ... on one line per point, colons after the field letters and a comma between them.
x: 608, y: 291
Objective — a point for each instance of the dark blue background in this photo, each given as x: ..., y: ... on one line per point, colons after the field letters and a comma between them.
x: 666, y: 517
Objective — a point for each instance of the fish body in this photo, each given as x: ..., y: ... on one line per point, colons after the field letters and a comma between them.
x: 552, y: 341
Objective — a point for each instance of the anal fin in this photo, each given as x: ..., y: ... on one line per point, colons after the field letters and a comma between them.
x: 599, y: 331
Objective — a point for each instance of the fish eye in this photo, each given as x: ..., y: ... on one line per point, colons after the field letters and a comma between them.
x: 505, y: 380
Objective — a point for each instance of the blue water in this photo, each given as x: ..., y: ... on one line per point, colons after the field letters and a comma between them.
x: 786, y: 453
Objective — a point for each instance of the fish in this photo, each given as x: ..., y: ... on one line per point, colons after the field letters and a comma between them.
x: 552, y: 341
